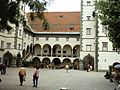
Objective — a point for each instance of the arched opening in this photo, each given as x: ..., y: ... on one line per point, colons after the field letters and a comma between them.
x: 46, y: 62
x: 36, y: 61
x: 47, y: 50
x: 76, y: 64
x: 7, y: 58
x: 56, y: 50
x: 37, y: 50
x: 76, y: 51
x: 28, y: 49
x: 67, y: 61
x: 88, y: 60
x: 67, y: 51
x: 56, y: 61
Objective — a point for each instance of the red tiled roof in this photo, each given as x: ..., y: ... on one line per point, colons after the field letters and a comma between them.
x: 58, y: 22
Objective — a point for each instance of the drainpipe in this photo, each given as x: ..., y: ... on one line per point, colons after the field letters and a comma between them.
x: 96, y: 40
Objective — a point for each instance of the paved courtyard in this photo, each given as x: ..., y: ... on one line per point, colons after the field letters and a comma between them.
x: 55, y: 79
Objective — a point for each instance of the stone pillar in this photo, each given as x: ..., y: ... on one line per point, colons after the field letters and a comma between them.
x: 81, y: 64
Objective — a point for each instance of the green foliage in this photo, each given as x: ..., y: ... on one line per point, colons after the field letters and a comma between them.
x: 109, y: 13
x: 10, y: 11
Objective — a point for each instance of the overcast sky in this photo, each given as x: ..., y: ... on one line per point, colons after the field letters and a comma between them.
x: 63, y: 5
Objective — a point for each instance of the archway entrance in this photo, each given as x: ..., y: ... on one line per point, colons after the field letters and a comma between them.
x: 76, y: 64
x: 36, y: 61
x: 46, y: 62
x: 88, y: 60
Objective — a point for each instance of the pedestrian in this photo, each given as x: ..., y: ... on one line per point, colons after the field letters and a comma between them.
x: 22, y: 75
x: 88, y: 67
x: 35, y: 77
x: 67, y: 67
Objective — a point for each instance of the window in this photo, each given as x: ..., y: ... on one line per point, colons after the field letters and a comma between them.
x: 59, y: 51
x: 2, y: 44
x: 37, y: 38
x: 20, y: 33
x: 24, y: 44
x: 8, y: 45
x: 77, y: 39
x: 19, y: 46
x: 67, y: 38
x: 88, y: 3
x: 88, y: 31
x: 104, y: 30
x: 47, y: 38
x: 104, y: 46
x: 88, y: 17
x: 57, y: 38
x: 45, y: 51
x: 88, y: 47
x: 64, y: 51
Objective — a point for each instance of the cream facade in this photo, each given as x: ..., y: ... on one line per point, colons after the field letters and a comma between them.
x: 96, y: 48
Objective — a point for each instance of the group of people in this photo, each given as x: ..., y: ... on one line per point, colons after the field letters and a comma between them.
x: 22, y: 76
x: 89, y: 67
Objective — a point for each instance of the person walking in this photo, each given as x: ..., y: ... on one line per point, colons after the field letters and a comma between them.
x: 67, y: 67
x: 35, y: 77
x: 22, y: 75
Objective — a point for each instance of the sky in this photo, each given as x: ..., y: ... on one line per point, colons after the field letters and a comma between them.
x: 63, y: 5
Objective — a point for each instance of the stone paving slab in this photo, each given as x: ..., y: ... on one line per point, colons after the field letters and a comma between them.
x: 55, y: 79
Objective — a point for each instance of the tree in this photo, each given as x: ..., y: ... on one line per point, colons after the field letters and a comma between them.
x: 109, y: 14
x: 10, y: 12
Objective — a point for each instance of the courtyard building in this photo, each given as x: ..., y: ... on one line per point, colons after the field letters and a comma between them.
x: 71, y: 38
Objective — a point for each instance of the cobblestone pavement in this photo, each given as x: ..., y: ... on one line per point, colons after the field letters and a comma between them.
x: 55, y: 79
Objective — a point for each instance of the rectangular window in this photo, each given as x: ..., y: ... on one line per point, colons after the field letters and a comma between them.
x: 88, y: 31
x: 45, y: 51
x: 88, y: 17
x: 64, y: 51
x: 2, y: 44
x: 20, y: 33
x: 37, y: 38
x: 88, y: 3
x: 57, y: 38
x: 88, y: 47
x: 8, y: 45
x: 24, y: 44
x: 19, y: 46
x: 47, y: 38
x: 77, y: 39
x: 105, y: 46
x: 67, y: 38
x: 104, y: 29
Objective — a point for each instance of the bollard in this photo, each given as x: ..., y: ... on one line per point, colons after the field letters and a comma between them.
x: 63, y: 88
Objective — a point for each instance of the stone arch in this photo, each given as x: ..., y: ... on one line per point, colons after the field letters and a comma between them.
x: 36, y: 61
x: 67, y: 51
x: 46, y: 50
x: 46, y: 62
x: 66, y: 61
x: 56, y: 61
x: 56, y: 50
x: 88, y: 60
x: 76, y: 51
x: 37, y: 50
x: 7, y: 58
x: 76, y: 63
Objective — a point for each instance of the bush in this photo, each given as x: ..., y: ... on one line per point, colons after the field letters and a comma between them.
x: 27, y: 63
